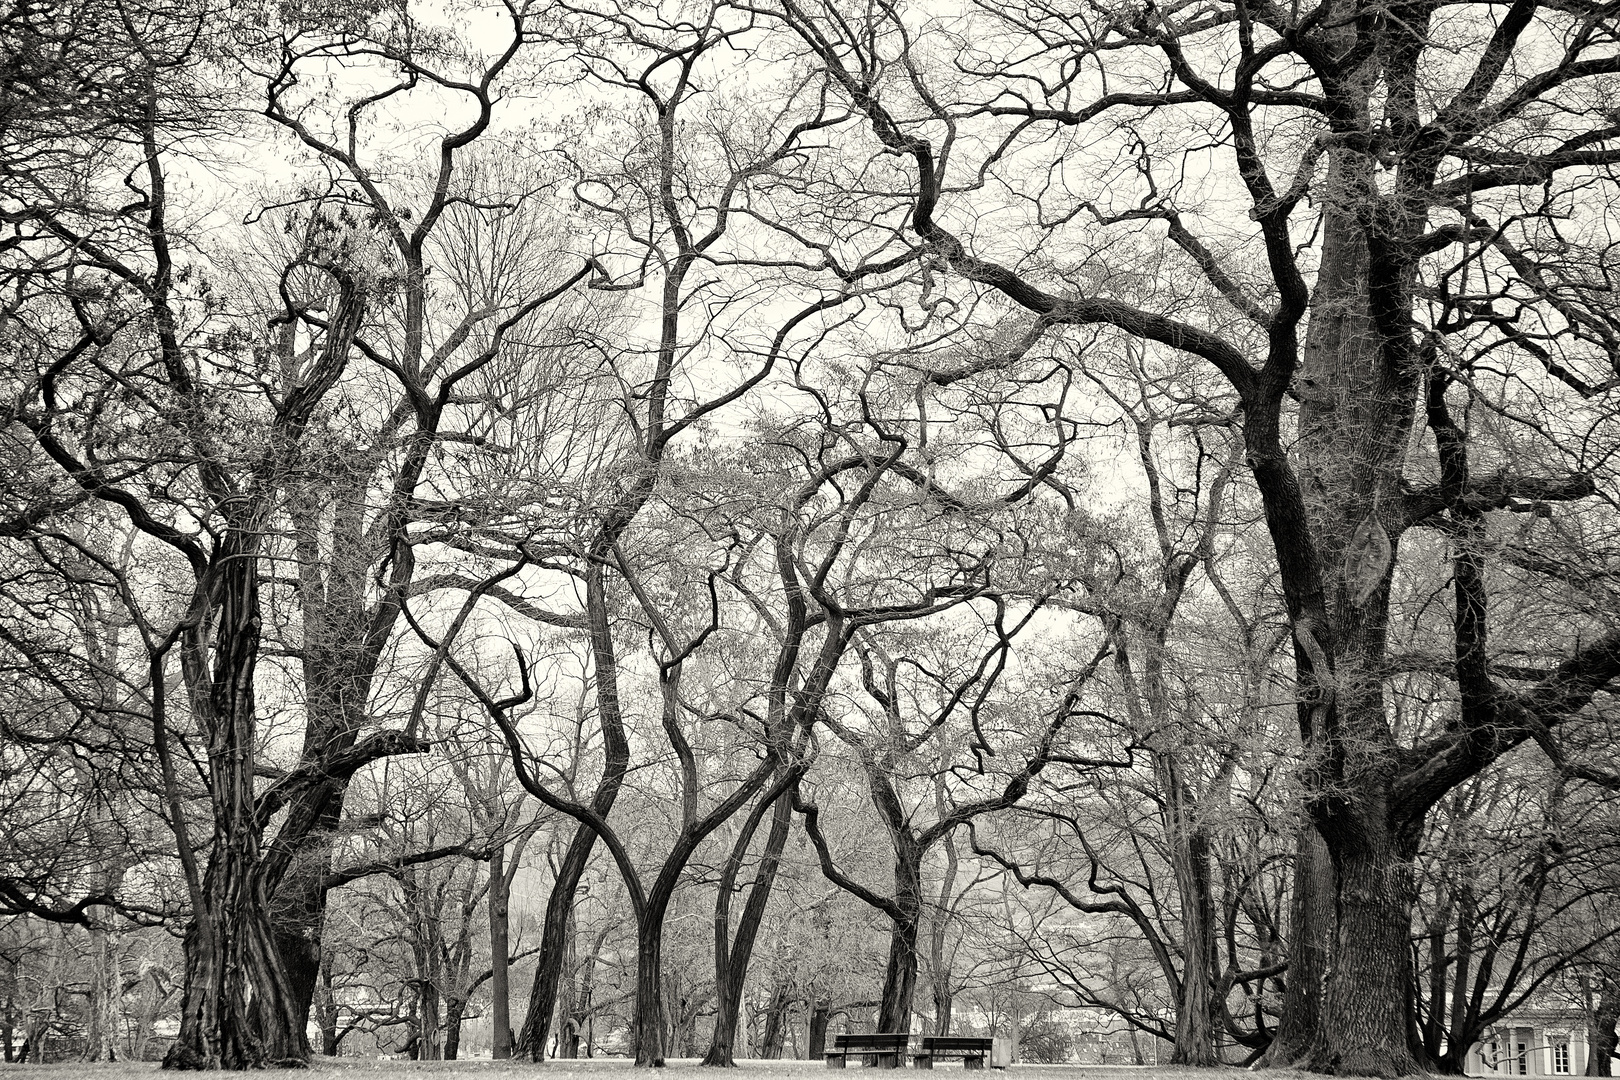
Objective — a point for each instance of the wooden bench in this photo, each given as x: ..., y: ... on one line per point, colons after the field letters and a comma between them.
x: 971, y: 1051
x: 886, y: 1051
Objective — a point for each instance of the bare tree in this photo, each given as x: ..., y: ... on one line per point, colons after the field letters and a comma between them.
x: 1373, y: 306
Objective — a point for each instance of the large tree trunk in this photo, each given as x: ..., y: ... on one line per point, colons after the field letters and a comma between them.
x: 8, y: 1015
x: 1358, y: 399
x: 568, y: 994
x: 647, y: 1024
x: 298, y: 904
x: 340, y: 653
x: 939, y: 965
x: 1368, y: 1028
x: 429, y: 1026
x: 238, y: 1010
x: 1186, y: 838
x: 154, y: 995
x: 900, y: 975
x: 326, y: 1008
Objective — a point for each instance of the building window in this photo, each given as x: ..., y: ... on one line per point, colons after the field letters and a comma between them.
x: 1561, y: 1055
x: 1490, y: 1055
x: 1524, y: 1060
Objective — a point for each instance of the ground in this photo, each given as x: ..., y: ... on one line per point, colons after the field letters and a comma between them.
x: 619, y: 1069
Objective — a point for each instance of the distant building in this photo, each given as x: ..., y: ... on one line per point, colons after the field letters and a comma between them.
x: 1533, y: 1042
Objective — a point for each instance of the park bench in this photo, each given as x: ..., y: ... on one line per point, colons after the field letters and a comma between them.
x: 971, y: 1051
x: 886, y: 1051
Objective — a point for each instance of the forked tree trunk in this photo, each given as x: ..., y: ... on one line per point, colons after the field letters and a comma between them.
x: 555, y: 939
x: 556, y: 930
x: 732, y: 956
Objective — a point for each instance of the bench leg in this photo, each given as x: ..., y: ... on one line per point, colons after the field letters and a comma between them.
x: 973, y: 1063
x: 835, y: 1061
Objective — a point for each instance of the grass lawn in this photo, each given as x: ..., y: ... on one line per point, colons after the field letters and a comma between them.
x: 619, y: 1069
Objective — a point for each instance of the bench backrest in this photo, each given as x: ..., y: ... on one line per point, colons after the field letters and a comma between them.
x: 945, y: 1043
x: 879, y: 1041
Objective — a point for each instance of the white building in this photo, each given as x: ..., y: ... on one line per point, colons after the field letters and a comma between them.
x: 1532, y: 1042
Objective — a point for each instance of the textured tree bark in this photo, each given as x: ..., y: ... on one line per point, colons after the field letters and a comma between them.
x: 900, y: 973
x: 326, y: 1010
x: 1367, y: 1001
x: 1602, y: 1041
x: 1188, y: 845
x: 1463, y: 1033
x: 340, y: 653
x: 815, y: 1043
x: 1310, y: 946
x: 454, y: 1010
x: 939, y: 965
x: 106, y: 985
x: 774, y: 1035
x: 429, y: 1024
x: 238, y: 1009
x: 647, y: 1026
x: 1186, y: 837
x: 298, y: 908
x: 555, y: 936
x: 569, y: 994
x: 499, y: 951
x: 8, y: 1014
x: 1358, y: 404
